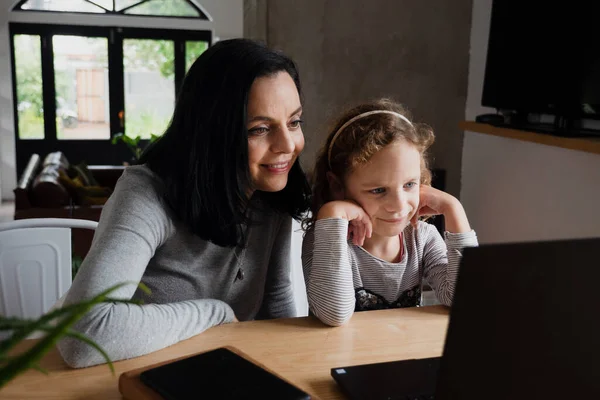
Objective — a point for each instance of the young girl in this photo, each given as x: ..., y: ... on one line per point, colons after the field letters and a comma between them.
x: 366, y: 247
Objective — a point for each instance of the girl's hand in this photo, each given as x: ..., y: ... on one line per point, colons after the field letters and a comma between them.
x: 359, y: 223
x: 435, y: 202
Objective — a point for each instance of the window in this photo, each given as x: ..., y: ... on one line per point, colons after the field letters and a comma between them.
x: 78, y: 86
x: 156, y: 8
x: 193, y: 51
x: 81, y: 87
x: 28, y: 72
x: 149, y: 72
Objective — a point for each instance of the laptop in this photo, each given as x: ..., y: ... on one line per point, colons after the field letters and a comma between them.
x: 525, y: 324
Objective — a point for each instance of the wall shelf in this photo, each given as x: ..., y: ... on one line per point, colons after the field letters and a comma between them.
x: 589, y: 145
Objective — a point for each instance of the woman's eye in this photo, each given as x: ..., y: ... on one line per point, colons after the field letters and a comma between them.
x: 259, y: 131
x: 377, y: 191
x: 410, y: 185
x: 296, y: 123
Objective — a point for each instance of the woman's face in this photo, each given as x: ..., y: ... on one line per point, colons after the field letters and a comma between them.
x: 274, y: 131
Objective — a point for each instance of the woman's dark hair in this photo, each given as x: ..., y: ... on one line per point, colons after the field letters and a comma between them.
x: 202, y: 157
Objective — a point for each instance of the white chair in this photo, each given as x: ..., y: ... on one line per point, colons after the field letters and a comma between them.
x: 35, y: 264
x: 297, y: 275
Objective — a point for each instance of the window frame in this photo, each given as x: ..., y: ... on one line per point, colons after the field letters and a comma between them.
x: 202, y: 14
x: 95, y: 151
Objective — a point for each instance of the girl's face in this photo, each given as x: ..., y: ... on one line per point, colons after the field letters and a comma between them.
x: 387, y: 187
x: 274, y: 131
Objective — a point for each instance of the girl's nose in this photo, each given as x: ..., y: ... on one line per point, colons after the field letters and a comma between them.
x: 397, y: 202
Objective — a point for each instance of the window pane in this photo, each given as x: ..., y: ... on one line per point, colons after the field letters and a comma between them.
x: 108, y: 4
x: 121, y: 4
x: 174, y: 8
x: 81, y: 84
x: 193, y: 51
x: 62, y: 5
x: 149, y: 85
x: 28, y: 69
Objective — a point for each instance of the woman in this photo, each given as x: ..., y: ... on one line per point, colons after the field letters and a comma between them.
x: 205, y: 219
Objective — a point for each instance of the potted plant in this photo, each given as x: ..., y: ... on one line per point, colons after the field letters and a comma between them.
x: 55, y: 324
x: 133, y: 143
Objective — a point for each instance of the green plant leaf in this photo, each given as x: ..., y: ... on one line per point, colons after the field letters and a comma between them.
x: 90, y: 342
x: 40, y: 369
x: 131, y: 142
x: 20, y: 324
x: 65, y: 317
x: 142, y: 286
x: 115, y: 139
x: 24, y: 331
x: 76, y: 262
x: 31, y: 357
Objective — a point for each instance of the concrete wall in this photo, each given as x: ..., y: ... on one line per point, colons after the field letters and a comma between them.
x: 351, y: 50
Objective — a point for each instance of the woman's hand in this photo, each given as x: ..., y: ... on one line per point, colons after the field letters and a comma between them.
x: 435, y: 202
x: 359, y: 223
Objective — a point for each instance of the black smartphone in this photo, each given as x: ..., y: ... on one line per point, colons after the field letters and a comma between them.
x: 218, y: 374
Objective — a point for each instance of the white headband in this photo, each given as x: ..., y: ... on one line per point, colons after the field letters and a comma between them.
x: 359, y: 116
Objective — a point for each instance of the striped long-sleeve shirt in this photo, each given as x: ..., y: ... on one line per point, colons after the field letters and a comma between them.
x: 342, y: 278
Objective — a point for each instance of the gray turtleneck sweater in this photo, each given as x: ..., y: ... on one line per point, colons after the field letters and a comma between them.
x: 195, y: 284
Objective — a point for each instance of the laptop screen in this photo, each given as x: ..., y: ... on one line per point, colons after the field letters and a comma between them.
x: 524, y: 323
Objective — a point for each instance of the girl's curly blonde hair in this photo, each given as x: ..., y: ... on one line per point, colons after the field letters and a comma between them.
x: 359, y: 141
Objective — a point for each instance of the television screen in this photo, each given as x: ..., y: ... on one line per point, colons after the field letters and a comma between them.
x: 544, y: 57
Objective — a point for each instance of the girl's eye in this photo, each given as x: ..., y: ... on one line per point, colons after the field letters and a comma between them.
x: 296, y: 124
x: 259, y: 131
x: 377, y: 191
x: 410, y: 185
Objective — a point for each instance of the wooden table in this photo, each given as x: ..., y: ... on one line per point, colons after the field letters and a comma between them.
x: 300, y: 349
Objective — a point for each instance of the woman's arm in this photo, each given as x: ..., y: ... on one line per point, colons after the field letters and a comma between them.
x: 278, y: 301
x: 133, y: 225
